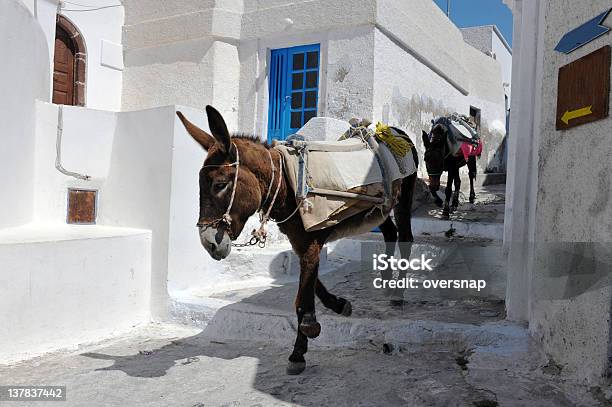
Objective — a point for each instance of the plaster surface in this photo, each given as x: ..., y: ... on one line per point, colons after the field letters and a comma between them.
x: 558, y: 228
x: 23, y: 80
x: 576, y: 328
x: 98, y: 25
x: 62, y: 286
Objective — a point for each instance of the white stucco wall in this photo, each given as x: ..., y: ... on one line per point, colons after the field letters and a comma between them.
x: 64, y: 286
x: 185, y: 54
x: 144, y: 167
x: 409, y: 94
x: 188, y: 264
x: 573, y: 207
x: 558, y: 214
x: 489, y: 40
x: 504, y: 57
x: 25, y: 77
x: 101, y: 28
x: 222, y: 60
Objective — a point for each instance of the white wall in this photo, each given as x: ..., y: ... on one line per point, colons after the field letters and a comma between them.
x: 558, y: 213
x: 188, y: 263
x: 85, y: 148
x: 211, y: 53
x: 488, y: 39
x: 504, y: 57
x: 184, y: 54
x: 63, y: 286
x: 409, y: 94
x: 102, y: 31
x: 141, y: 176
x: 25, y: 77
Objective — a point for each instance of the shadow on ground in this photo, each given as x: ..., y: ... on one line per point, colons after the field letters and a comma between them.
x: 460, y: 368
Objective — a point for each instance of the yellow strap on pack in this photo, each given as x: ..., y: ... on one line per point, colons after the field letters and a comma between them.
x: 398, y: 145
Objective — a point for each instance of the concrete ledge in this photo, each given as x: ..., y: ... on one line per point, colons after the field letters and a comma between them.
x: 48, y: 233
x: 65, y: 285
x: 433, y: 226
x: 245, y: 322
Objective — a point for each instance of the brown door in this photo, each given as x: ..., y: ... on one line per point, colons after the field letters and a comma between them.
x: 63, y: 68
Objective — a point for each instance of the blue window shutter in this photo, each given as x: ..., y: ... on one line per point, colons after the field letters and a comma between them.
x: 293, y: 89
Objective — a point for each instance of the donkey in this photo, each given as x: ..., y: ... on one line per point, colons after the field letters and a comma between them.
x: 438, y: 158
x: 236, y: 180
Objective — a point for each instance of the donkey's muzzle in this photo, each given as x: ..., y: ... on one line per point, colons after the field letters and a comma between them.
x: 216, y: 242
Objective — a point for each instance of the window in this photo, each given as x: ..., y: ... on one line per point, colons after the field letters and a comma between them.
x: 293, y: 89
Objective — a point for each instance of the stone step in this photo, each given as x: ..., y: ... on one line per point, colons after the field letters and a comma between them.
x: 244, y: 321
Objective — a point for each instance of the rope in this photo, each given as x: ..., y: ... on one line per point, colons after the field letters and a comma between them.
x: 226, y: 215
x: 278, y: 222
x: 397, y: 145
x: 226, y: 218
x: 258, y: 236
x: 280, y: 180
x: 271, y: 180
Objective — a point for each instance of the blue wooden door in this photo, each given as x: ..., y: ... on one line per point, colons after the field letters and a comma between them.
x: 293, y: 89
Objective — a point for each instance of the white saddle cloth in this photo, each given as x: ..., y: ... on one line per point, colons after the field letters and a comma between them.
x: 347, y: 166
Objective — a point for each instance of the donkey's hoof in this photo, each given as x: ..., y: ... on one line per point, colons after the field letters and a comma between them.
x: 295, y: 368
x: 347, y: 309
x: 311, y: 330
x: 472, y: 198
x: 446, y: 213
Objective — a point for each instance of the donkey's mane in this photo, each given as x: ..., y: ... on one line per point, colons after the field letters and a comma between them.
x: 250, y: 137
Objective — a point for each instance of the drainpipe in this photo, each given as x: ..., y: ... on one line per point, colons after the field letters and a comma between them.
x: 58, y: 148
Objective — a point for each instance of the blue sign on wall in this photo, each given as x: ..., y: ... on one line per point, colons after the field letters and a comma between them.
x: 584, y: 34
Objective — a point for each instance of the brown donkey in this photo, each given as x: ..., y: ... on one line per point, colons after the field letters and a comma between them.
x: 240, y: 176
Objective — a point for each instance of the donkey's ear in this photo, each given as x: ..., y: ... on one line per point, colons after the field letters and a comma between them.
x: 204, y: 139
x: 218, y: 128
x: 425, y: 137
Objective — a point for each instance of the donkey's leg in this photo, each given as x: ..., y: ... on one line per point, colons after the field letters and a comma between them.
x: 337, y: 304
x: 304, y: 302
x: 389, y: 232
x: 297, y: 363
x: 457, y: 182
x: 403, y: 218
x: 472, y: 171
x: 308, y: 327
x: 403, y: 212
x: 449, y: 192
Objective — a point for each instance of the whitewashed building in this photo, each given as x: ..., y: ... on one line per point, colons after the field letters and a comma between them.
x: 558, y: 224
x: 91, y: 137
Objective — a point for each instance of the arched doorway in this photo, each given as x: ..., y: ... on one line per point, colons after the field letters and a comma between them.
x: 68, y: 64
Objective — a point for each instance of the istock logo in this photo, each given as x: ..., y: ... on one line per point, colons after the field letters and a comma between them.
x: 382, y: 262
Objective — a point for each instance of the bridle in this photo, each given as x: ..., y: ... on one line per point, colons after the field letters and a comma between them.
x: 258, y: 236
x: 225, y: 219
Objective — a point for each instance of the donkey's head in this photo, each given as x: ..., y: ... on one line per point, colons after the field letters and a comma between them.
x: 229, y: 191
x: 434, y: 154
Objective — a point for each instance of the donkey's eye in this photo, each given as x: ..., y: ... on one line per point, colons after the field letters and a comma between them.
x: 219, y: 186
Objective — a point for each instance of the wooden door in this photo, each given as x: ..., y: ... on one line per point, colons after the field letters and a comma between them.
x: 63, y: 68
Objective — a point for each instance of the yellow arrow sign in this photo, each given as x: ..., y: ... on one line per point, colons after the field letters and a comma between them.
x: 574, y: 114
